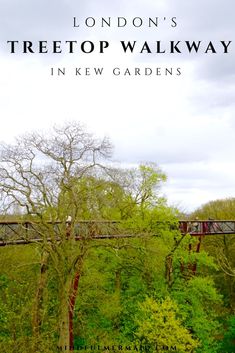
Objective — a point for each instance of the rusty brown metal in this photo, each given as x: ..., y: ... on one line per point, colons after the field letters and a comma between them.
x: 20, y: 232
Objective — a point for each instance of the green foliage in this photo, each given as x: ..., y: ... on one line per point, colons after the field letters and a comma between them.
x: 19, y: 268
x: 118, y: 278
x: 218, y: 209
x: 158, y: 325
x: 228, y: 344
x: 200, y: 306
x: 222, y: 247
x: 97, y: 198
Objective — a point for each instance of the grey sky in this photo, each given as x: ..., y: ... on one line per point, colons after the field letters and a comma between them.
x: 186, y: 123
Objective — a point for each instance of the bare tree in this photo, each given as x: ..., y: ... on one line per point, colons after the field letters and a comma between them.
x: 225, y: 264
x: 37, y: 168
x: 50, y: 177
x: 39, y: 174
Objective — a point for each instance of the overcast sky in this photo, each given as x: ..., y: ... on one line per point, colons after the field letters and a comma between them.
x: 184, y: 123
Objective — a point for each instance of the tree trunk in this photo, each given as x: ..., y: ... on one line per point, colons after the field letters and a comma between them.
x: 169, y: 270
x: 38, y: 305
x: 118, y: 281
x: 64, y: 337
x: 67, y: 305
x: 72, y: 301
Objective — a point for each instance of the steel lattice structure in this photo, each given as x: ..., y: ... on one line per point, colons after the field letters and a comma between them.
x: 19, y: 232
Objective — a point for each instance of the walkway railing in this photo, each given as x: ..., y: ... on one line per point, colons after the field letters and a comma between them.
x: 20, y: 232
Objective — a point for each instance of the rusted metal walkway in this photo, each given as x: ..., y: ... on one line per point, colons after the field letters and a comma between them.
x: 20, y: 232
x: 207, y: 227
